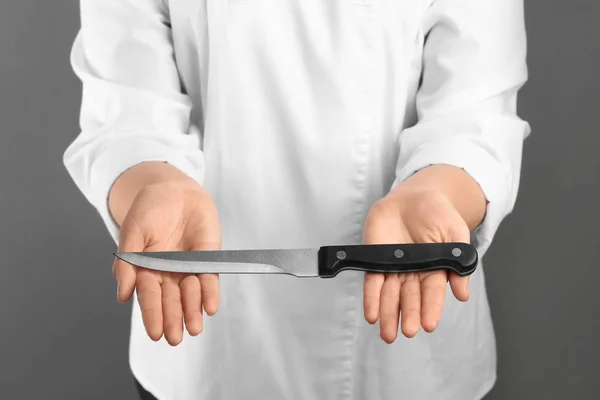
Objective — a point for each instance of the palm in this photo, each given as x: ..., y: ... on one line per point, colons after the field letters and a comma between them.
x: 179, y: 218
x: 414, y: 299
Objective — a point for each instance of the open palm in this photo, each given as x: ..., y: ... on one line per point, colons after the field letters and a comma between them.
x: 412, y: 300
x: 170, y: 217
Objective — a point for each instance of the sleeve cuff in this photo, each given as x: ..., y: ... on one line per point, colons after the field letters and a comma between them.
x: 113, y: 161
x: 481, y: 165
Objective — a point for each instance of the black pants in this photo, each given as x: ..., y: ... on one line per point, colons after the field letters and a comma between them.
x: 143, y: 393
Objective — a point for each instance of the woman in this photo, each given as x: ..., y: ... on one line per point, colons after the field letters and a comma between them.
x: 240, y: 124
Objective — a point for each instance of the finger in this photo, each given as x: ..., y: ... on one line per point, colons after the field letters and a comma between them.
x: 207, y: 237
x: 192, y: 304
x: 390, y: 308
x: 382, y: 226
x: 130, y: 240
x: 410, y: 305
x: 373, y: 284
x: 172, y: 311
x: 433, y: 294
x: 460, y: 286
x: 149, y: 294
x: 209, y: 286
x: 374, y: 233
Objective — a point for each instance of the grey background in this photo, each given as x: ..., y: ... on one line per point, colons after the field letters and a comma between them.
x: 63, y: 335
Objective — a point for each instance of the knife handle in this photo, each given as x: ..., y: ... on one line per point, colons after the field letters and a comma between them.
x: 461, y: 258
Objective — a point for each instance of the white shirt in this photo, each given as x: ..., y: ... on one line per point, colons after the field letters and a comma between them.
x: 296, y: 116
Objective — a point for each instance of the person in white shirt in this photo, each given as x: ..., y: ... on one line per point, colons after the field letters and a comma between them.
x: 249, y: 124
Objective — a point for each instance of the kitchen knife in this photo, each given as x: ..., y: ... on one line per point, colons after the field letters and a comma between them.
x: 324, y: 262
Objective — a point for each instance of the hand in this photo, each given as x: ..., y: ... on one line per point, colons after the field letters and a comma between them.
x: 417, y: 298
x: 169, y: 216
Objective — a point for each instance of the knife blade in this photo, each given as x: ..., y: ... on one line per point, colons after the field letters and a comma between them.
x: 324, y: 262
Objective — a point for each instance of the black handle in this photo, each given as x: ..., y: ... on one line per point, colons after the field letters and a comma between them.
x: 459, y: 257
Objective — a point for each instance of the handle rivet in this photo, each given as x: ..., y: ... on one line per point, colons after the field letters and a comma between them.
x: 341, y: 255
x: 398, y: 253
x: 456, y: 252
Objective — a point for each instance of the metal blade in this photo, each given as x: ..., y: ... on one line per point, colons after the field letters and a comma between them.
x: 297, y: 262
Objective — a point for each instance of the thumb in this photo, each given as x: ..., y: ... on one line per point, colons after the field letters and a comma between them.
x: 130, y: 240
x: 383, y: 224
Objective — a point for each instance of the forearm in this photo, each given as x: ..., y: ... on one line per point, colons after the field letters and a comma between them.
x: 457, y: 185
x: 125, y: 189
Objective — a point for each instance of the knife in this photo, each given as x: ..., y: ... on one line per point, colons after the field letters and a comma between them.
x: 324, y: 262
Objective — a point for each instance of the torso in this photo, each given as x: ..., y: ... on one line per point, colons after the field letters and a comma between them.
x: 299, y: 105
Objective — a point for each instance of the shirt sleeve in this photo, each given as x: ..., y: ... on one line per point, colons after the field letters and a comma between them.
x: 474, y: 63
x: 133, y: 108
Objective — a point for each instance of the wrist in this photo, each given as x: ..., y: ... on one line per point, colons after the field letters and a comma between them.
x: 131, y: 182
x: 451, y: 183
